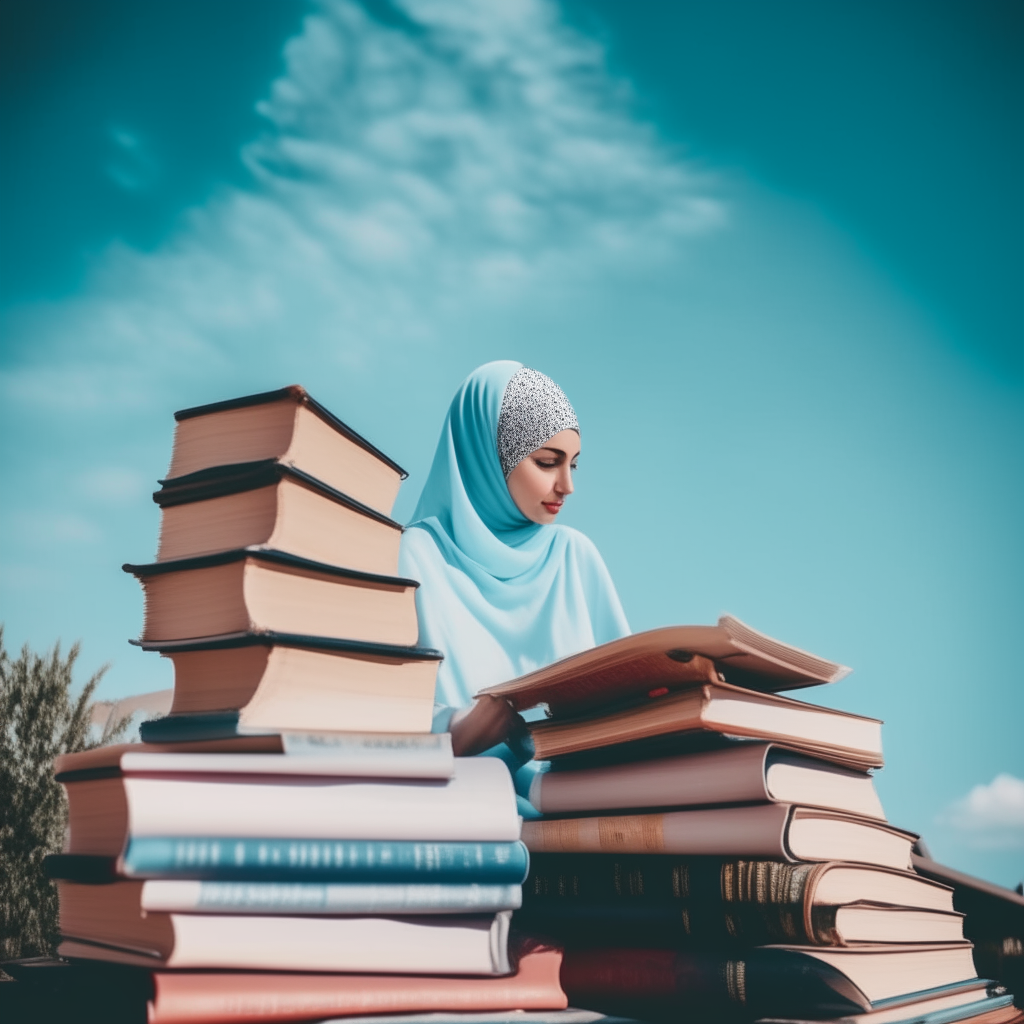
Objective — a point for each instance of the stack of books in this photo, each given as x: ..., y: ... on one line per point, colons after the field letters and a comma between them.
x: 293, y: 815
x: 709, y: 847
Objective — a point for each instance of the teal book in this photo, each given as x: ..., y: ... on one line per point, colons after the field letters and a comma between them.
x: 297, y: 860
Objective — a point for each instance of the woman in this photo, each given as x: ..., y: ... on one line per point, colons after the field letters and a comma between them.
x: 504, y: 589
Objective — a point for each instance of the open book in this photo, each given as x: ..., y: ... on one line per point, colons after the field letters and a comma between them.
x: 673, y: 656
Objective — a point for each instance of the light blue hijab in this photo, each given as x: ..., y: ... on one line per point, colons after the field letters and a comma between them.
x: 499, y: 595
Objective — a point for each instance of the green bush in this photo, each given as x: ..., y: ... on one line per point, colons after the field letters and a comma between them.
x: 39, y: 719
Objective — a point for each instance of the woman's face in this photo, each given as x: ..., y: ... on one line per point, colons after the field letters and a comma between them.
x: 541, y: 482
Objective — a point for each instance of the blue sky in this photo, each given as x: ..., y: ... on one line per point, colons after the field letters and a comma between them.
x: 772, y: 252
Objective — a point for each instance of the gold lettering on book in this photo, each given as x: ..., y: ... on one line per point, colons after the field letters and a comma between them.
x: 736, y: 980
x: 632, y: 831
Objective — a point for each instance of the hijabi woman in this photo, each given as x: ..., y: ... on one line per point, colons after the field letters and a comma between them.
x: 504, y: 588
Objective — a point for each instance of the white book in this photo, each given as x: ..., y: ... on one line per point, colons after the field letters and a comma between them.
x: 456, y: 944
x: 184, y: 896
x: 477, y: 804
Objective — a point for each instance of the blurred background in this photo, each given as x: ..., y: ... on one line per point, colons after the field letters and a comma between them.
x: 773, y: 250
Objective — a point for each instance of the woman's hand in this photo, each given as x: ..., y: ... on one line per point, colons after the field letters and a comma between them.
x: 485, y: 723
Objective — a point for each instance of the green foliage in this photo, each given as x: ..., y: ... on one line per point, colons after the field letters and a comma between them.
x: 39, y: 719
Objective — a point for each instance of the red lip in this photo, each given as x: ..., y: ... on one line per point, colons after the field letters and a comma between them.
x: 554, y: 507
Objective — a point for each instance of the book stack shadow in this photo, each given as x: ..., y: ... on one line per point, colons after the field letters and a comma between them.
x: 708, y: 849
x: 291, y: 842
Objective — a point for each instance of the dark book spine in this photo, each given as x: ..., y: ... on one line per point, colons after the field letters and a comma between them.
x: 280, y: 860
x: 755, y: 902
x: 655, y: 984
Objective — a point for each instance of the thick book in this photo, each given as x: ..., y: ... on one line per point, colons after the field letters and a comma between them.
x: 477, y: 804
x: 994, y: 921
x: 715, y: 707
x: 977, y: 1001
x: 750, y: 773
x: 294, y: 859
x: 289, y: 426
x: 767, y: 831
x: 768, y: 981
x: 315, y: 899
x: 56, y: 990
x: 257, y: 591
x: 282, y: 682
x: 710, y: 900
x: 271, y: 505
x: 92, y: 924
x: 674, y: 656
x: 373, y: 755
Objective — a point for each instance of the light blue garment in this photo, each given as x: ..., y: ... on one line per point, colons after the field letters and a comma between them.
x: 499, y: 595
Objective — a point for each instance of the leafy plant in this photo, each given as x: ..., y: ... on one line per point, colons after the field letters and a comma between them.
x: 39, y: 719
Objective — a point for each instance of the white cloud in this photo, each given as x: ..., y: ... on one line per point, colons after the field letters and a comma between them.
x: 991, y: 815
x: 469, y: 155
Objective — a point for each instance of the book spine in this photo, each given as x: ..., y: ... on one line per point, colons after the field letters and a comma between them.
x: 755, y: 902
x: 312, y: 898
x: 651, y: 983
x: 756, y: 831
x: 210, y: 859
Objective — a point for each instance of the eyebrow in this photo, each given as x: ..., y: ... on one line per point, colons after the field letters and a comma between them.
x: 557, y: 451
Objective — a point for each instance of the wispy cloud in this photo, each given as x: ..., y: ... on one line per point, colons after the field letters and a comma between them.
x: 992, y: 815
x: 463, y: 152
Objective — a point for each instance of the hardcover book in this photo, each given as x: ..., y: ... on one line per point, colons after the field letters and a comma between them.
x: 768, y: 831
x: 851, y: 740
x: 289, y: 426
x: 243, y: 591
x: 672, y: 657
x: 632, y: 900
x: 476, y: 804
x: 294, y: 859
x: 273, y: 682
x: 94, y: 925
x: 272, y: 506
x: 745, y: 773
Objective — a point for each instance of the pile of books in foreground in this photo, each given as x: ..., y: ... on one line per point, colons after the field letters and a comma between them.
x: 713, y: 850
x: 298, y: 845
x: 292, y: 843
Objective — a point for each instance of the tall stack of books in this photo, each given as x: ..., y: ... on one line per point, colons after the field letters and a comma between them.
x: 707, y: 847
x: 293, y: 815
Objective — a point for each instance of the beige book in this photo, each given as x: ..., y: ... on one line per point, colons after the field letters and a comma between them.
x: 672, y: 657
x: 288, y: 426
x: 744, y: 773
x: 885, y: 971
x: 720, y: 708
x: 277, y: 508
x: 246, y: 591
x: 769, y: 831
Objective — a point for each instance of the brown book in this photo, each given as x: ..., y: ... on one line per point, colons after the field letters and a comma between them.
x: 739, y: 774
x: 273, y: 506
x: 718, y: 707
x: 801, y: 982
x: 660, y: 899
x: 768, y: 831
x: 289, y: 683
x: 290, y: 427
x: 254, y: 591
x: 672, y: 657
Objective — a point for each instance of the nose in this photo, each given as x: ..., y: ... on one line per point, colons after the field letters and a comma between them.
x: 563, y: 485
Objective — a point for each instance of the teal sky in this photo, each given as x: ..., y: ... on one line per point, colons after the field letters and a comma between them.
x: 773, y: 252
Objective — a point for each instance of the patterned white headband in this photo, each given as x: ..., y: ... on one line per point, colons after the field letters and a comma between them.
x: 533, y: 410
